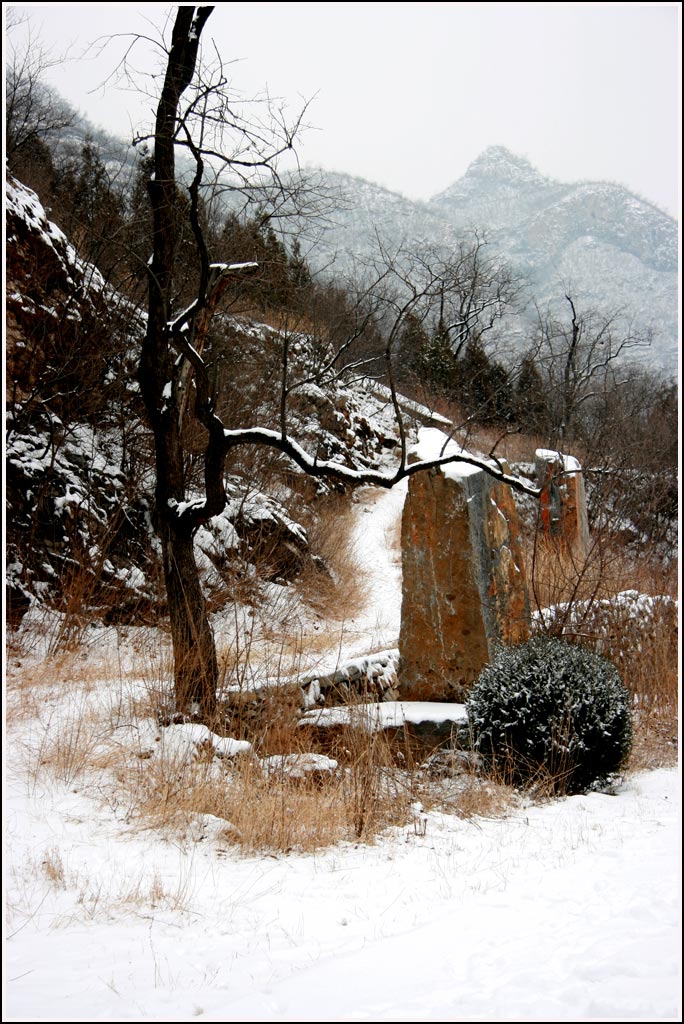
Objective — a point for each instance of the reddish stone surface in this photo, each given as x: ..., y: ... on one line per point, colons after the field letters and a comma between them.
x: 463, y: 581
x: 563, y: 502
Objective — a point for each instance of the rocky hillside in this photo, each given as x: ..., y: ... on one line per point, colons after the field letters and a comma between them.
x: 79, y: 484
x: 611, y: 248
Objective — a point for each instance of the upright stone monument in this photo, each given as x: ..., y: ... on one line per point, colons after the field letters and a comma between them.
x: 563, y: 501
x: 464, y: 584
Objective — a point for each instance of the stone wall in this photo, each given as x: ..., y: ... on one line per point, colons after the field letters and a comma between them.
x: 464, y: 586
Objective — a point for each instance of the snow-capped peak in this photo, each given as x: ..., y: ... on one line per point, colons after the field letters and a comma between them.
x: 499, y: 163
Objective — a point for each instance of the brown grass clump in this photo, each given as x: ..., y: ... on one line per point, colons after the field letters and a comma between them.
x: 279, y: 814
x: 643, y: 645
x: 53, y: 868
x: 511, y: 445
x: 364, y: 796
x: 272, y: 810
x: 558, y: 575
x: 68, y: 751
x: 650, y: 671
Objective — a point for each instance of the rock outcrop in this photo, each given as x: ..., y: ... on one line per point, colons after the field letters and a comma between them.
x: 563, y: 500
x: 464, y: 585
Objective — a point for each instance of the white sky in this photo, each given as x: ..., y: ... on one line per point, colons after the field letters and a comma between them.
x: 408, y: 94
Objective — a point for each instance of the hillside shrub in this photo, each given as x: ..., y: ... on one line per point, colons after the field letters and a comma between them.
x: 552, y: 707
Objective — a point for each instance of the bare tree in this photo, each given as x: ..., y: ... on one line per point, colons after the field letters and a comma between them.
x: 33, y: 112
x: 580, y: 358
x: 475, y: 290
x: 194, y: 112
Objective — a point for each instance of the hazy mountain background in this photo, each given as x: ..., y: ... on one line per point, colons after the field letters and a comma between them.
x: 609, y: 248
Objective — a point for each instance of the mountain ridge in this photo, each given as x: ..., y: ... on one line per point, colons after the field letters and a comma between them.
x: 613, y: 249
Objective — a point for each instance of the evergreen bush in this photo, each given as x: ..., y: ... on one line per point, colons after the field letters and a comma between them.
x: 554, y: 707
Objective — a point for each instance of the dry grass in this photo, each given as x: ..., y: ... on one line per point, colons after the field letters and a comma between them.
x: 557, y: 575
x: 644, y: 651
x: 512, y: 446
x: 378, y: 777
x: 271, y: 811
x: 338, y: 589
x: 650, y: 670
x: 96, y: 896
x: 279, y: 814
x: 68, y: 751
x: 52, y: 867
x: 42, y: 693
x: 66, y: 740
x: 264, y: 810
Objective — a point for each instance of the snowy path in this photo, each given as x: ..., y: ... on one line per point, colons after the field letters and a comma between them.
x: 377, y: 546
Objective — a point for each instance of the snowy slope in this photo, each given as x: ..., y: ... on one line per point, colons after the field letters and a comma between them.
x: 79, y: 480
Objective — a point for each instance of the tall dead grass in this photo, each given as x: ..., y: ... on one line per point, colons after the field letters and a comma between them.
x: 558, y: 575
x: 335, y: 586
x: 258, y: 809
x: 588, y: 610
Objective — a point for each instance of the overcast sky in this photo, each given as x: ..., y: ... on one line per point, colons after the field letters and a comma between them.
x: 408, y: 94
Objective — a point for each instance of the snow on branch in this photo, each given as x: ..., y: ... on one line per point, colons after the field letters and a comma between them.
x: 335, y: 470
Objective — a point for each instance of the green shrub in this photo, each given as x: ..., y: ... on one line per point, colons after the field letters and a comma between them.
x: 554, y: 707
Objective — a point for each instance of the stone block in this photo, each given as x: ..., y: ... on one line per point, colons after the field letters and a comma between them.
x: 464, y: 586
x: 563, y: 501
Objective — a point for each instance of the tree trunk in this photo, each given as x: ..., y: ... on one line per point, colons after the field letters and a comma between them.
x: 194, y: 650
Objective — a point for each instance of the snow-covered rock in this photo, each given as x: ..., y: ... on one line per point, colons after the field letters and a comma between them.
x: 298, y: 767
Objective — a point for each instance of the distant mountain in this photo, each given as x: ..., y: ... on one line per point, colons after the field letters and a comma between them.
x: 610, y: 247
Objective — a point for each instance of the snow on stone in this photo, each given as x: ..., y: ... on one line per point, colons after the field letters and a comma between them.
x: 298, y: 766
x: 570, y: 463
x: 226, y: 746
x: 636, y: 606
x: 209, y: 827
x: 419, y: 412
x: 141, y: 738
x: 25, y: 204
x: 132, y: 577
x: 185, y: 742
x: 381, y: 666
x: 433, y: 445
x: 217, y: 537
x: 391, y: 714
x: 181, y: 507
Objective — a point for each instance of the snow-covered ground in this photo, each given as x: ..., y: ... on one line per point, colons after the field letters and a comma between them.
x: 563, y: 911
x: 567, y: 911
